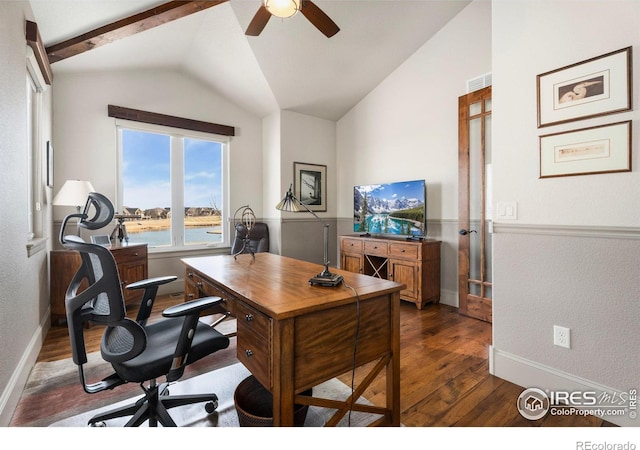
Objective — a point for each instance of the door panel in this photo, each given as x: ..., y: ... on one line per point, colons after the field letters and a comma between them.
x: 474, y: 203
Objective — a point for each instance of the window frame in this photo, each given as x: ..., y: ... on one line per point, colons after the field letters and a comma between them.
x: 177, y: 136
x: 35, y: 86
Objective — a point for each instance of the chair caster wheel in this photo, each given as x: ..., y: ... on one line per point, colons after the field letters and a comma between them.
x: 98, y: 425
x: 210, y: 407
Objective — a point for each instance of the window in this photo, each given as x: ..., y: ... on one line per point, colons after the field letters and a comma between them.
x: 172, y: 187
x: 35, y: 86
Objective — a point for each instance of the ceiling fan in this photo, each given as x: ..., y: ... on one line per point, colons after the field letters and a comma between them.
x: 288, y: 8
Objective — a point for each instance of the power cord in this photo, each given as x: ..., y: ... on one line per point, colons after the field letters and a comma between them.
x: 355, y: 348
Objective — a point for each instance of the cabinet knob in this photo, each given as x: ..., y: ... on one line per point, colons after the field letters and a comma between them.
x: 402, y: 251
x: 248, y: 352
x: 199, y: 284
x: 190, y: 295
x: 248, y: 317
x: 190, y: 274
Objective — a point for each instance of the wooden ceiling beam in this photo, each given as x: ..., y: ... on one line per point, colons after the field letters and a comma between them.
x: 127, y: 27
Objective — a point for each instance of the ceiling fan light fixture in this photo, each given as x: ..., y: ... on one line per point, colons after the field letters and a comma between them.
x: 283, y: 8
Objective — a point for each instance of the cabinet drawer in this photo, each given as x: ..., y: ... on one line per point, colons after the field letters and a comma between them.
x: 197, y: 287
x: 251, y: 319
x: 126, y: 255
x: 351, y: 245
x: 407, y: 251
x: 254, y: 342
x: 376, y: 248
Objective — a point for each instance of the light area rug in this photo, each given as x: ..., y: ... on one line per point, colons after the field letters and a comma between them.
x: 223, y: 382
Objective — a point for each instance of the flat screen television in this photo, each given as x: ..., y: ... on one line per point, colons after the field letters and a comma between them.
x: 398, y: 208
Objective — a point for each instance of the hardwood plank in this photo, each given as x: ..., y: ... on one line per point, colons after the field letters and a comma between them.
x: 444, y: 371
x: 126, y: 27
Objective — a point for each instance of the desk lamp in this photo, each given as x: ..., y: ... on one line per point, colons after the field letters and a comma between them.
x: 325, y: 278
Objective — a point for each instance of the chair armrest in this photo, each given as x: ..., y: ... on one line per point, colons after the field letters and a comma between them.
x: 191, y: 307
x: 150, y: 286
x: 157, y: 281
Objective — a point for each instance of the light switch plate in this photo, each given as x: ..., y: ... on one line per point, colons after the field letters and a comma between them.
x: 507, y: 211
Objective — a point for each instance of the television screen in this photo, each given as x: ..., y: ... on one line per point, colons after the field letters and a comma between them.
x: 392, y: 209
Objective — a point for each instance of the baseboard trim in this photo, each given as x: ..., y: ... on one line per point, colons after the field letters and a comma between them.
x: 449, y: 297
x: 13, y: 391
x: 529, y: 374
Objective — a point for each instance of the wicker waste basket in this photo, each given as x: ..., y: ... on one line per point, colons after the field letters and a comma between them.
x: 254, y: 405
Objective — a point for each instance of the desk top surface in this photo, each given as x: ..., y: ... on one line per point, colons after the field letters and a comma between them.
x: 279, y: 286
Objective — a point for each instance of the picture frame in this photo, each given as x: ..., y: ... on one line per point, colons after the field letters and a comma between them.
x: 310, y: 185
x: 49, y: 181
x: 593, y: 150
x: 590, y: 88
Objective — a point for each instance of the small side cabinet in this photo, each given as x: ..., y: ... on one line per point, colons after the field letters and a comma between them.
x: 132, y: 262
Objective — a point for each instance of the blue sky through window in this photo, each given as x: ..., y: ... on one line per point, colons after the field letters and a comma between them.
x: 146, y: 171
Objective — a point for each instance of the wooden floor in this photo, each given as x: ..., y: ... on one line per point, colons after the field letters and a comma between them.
x: 444, y: 372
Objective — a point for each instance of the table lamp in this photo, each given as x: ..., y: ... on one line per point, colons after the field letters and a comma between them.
x: 73, y: 193
x: 325, y: 278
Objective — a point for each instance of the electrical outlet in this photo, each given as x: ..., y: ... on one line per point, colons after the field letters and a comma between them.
x: 561, y: 336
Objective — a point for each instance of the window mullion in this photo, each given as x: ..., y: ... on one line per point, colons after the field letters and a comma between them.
x: 177, y: 190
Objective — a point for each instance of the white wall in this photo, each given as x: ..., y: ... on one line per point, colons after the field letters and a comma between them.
x: 85, y: 136
x: 407, y: 128
x: 24, y: 282
x: 571, y: 258
x: 310, y: 140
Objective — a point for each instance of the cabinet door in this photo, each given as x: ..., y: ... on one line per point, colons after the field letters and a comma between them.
x: 130, y: 273
x: 406, y: 272
x: 351, y: 263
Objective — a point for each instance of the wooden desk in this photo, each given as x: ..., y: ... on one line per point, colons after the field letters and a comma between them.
x: 293, y: 336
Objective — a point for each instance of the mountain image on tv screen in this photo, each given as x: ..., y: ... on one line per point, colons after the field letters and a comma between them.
x: 393, y: 208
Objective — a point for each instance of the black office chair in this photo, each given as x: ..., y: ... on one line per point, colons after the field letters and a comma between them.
x: 138, y: 352
x: 256, y: 242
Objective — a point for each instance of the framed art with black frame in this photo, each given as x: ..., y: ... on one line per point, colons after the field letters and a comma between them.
x: 310, y: 185
x: 49, y: 164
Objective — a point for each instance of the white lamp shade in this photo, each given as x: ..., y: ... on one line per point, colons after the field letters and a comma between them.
x: 282, y: 8
x: 73, y: 193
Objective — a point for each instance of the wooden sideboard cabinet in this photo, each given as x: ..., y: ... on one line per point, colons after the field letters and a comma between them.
x: 413, y: 263
x: 132, y: 264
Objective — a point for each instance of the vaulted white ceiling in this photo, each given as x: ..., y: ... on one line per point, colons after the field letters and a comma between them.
x: 291, y: 65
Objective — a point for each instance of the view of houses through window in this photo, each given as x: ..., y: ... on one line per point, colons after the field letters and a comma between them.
x: 161, y: 173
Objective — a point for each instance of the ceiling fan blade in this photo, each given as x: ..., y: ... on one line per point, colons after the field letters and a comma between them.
x: 318, y: 18
x: 258, y: 22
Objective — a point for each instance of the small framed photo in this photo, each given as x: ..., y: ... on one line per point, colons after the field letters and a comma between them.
x: 49, y: 164
x: 101, y: 239
x: 310, y: 185
x: 601, y: 149
x: 591, y: 88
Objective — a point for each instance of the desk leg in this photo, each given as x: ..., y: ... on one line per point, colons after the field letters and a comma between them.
x: 282, y: 370
x: 393, y: 368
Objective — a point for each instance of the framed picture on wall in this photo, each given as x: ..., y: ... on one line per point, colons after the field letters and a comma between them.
x: 310, y: 185
x: 591, y: 88
x: 601, y: 149
x: 49, y: 164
